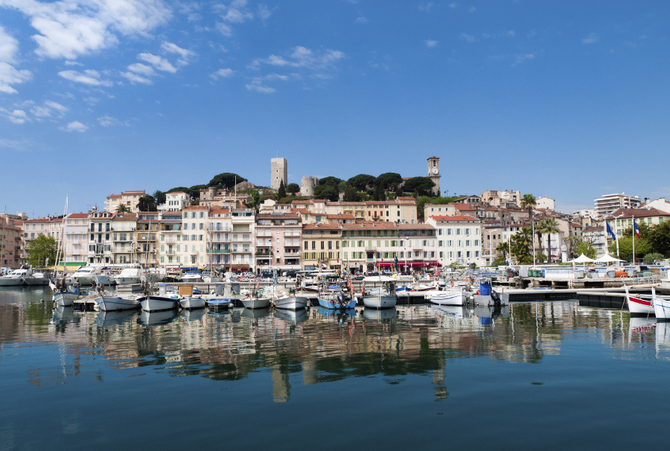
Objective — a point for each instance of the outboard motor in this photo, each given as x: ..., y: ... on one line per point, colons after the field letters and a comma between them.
x: 340, y: 298
x: 495, y: 297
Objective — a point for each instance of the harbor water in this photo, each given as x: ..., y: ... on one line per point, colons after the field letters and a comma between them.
x: 534, y: 375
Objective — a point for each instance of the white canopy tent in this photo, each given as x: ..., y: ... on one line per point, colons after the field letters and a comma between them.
x: 582, y: 259
x: 607, y: 259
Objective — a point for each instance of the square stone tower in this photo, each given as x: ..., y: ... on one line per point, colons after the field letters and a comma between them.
x: 434, y: 173
x: 279, y: 168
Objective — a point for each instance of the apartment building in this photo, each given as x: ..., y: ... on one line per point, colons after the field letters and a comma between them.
x: 278, y: 241
x: 622, y: 219
x: 321, y: 246
x: 100, y: 237
x: 128, y: 198
x: 76, y: 239
x: 146, y: 238
x: 220, y: 231
x: 123, y: 238
x: 242, y: 242
x: 458, y: 239
x: 175, y: 201
x: 10, y: 243
x: 170, y: 238
x: 194, y: 248
x: 609, y: 203
x: 494, y: 233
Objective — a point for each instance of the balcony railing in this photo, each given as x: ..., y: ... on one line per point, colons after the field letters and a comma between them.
x: 219, y: 251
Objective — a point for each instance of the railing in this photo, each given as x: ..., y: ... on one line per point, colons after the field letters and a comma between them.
x: 219, y: 251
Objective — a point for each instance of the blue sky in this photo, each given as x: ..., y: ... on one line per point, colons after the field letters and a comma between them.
x: 566, y: 99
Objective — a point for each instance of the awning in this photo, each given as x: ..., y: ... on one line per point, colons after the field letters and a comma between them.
x: 409, y: 264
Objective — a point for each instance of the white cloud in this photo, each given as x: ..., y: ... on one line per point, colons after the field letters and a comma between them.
x: 75, y: 126
x: 72, y: 63
x: 591, y: 39
x: 257, y: 85
x: 467, y: 37
x: 108, y: 121
x: 142, y: 69
x: 263, y: 12
x: 303, y: 57
x: 453, y: 5
x: 9, y: 75
x: 14, y: 145
x: 134, y: 78
x: 222, y: 73
x: 426, y: 7
x: 518, y: 59
x: 235, y: 12
x: 361, y: 19
x: 430, y: 43
x: 71, y: 28
x: 88, y: 77
x: 91, y: 100
x: 158, y: 62
x: 16, y: 116
x: 184, y: 54
x: 224, y: 29
x: 48, y: 107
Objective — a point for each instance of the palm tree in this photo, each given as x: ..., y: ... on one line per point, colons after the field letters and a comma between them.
x: 502, y: 248
x: 528, y: 201
x: 549, y: 226
x: 123, y: 208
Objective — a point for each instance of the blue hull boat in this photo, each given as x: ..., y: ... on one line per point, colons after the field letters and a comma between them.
x: 335, y: 305
x: 219, y: 303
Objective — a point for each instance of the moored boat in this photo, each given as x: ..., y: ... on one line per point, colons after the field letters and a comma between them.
x: 219, y: 303
x: 446, y: 297
x: 192, y: 303
x: 282, y: 299
x: 158, y: 303
x: 638, y: 305
x: 661, y: 306
x: 380, y: 297
x: 114, y: 303
x: 256, y: 302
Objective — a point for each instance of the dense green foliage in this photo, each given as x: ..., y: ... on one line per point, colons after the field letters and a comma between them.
x: 159, y: 196
x: 281, y: 192
x: 361, y: 181
x: 40, y: 249
x: 327, y: 192
x: 330, y: 181
x: 293, y: 188
x: 388, y: 180
x: 420, y: 186
x: 226, y: 180
x: 147, y: 203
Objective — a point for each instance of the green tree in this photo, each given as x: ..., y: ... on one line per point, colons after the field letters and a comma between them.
x: 659, y: 237
x: 388, y: 180
x: 160, y: 197
x: 330, y: 181
x: 122, y: 208
x: 528, y: 202
x: 379, y: 193
x: 281, y: 192
x: 521, y: 242
x: 147, y: 203
x: 327, y: 192
x: 642, y: 245
x: 293, y: 188
x: 351, y: 194
x: 584, y: 248
x: 40, y: 249
x: 549, y: 226
x: 361, y: 181
x: 421, y: 186
x: 225, y: 180
x: 649, y: 259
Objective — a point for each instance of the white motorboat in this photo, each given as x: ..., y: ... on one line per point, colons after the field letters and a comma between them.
x: 379, y: 297
x: 13, y: 279
x: 114, y: 303
x: 62, y: 297
x: 129, y: 275
x: 638, y: 305
x: 282, y: 299
x: 89, y: 275
x: 446, y: 297
x: 661, y: 306
x: 23, y: 276
x: 192, y: 303
x: 158, y: 303
x: 192, y: 276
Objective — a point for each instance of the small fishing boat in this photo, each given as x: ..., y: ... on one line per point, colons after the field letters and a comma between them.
x: 62, y: 297
x: 114, y: 303
x: 638, y: 305
x: 379, y: 297
x: 153, y: 303
x: 333, y: 298
x: 192, y: 303
x: 446, y: 297
x: 661, y: 306
x: 282, y: 299
x: 258, y: 302
x: 220, y: 303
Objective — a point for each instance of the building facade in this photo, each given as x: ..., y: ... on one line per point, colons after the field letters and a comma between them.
x: 279, y: 172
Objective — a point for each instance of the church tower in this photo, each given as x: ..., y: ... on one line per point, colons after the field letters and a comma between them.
x: 434, y: 173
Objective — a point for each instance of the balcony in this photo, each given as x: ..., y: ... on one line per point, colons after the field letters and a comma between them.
x: 219, y: 251
x: 169, y: 252
x: 266, y: 253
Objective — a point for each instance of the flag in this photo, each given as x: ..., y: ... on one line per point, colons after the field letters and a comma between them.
x: 636, y: 229
x: 609, y: 231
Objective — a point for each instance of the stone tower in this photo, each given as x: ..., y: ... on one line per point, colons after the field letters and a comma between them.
x: 434, y: 173
x: 279, y: 171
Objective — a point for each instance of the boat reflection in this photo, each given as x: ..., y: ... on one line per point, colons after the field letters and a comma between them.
x: 157, y: 318
x: 255, y: 313
x: 192, y: 315
x: 380, y: 315
x: 116, y: 317
x: 292, y: 316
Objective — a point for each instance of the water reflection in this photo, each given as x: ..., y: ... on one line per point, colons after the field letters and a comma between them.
x: 318, y: 345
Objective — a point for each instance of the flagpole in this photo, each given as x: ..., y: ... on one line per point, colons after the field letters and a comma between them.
x: 633, y: 239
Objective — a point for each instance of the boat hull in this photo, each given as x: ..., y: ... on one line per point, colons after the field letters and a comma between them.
x: 190, y: 303
x: 290, y: 303
x: 638, y: 306
x: 335, y: 305
x: 379, y: 302
x: 11, y: 282
x: 256, y: 303
x: 158, y: 303
x: 116, y: 303
x: 446, y: 297
x: 219, y: 303
x: 662, y: 308
x: 65, y: 299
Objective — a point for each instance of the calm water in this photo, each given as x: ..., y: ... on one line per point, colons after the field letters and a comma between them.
x: 550, y: 376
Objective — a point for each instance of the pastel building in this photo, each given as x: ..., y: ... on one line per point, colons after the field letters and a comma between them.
x: 123, y: 238
x: 458, y: 239
x: 128, y: 198
x: 278, y: 237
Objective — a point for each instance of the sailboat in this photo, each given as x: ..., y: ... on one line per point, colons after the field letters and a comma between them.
x: 62, y: 297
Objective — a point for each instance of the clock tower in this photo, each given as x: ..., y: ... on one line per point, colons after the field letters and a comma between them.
x: 434, y: 173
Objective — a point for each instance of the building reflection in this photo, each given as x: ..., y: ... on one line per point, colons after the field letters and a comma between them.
x: 318, y: 347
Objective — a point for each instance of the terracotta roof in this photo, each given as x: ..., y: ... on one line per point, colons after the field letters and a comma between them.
x: 340, y: 216
x: 628, y: 213
x: 78, y: 215
x: 323, y: 226
x: 415, y: 227
x: 370, y: 225
x: 113, y: 196
x: 453, y: 218
x: 125, y: 217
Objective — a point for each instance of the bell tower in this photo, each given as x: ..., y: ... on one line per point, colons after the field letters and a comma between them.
x: 434, y: 173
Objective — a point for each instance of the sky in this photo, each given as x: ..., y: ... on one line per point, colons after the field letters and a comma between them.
x: 558, y: 98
